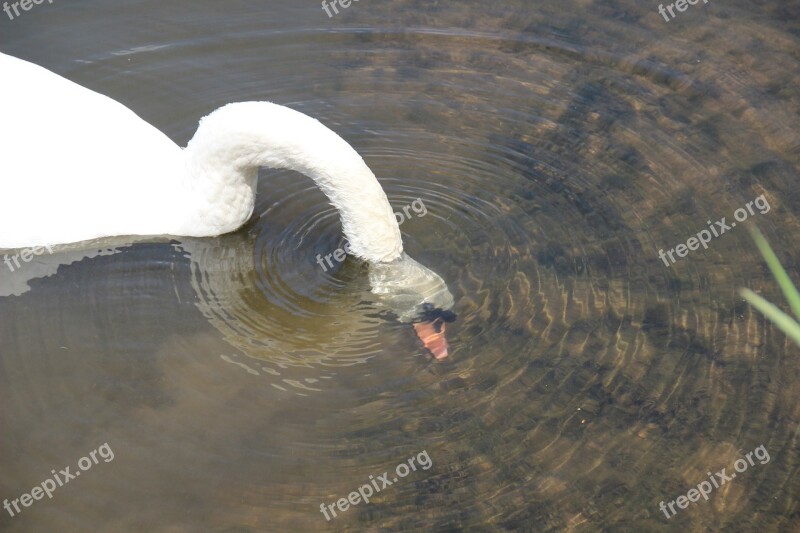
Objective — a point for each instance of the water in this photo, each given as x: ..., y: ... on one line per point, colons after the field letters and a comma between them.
x: 557, y: 147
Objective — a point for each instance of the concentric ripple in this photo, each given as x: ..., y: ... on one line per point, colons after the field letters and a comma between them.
x: 548, y: 195
x: 556, y: 148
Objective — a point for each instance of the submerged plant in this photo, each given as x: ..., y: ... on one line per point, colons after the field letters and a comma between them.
x: 785, y: 323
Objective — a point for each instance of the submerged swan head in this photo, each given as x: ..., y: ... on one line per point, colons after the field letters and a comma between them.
x: 416, y: 294
x: 410, y: 288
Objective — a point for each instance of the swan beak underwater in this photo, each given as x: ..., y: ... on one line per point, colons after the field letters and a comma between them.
x: 431, y: 330
x: 432, y: 336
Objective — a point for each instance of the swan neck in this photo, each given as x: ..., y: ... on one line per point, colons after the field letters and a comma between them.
x: 234, y: 141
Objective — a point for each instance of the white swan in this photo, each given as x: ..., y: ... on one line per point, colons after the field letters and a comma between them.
x: 77, y: 165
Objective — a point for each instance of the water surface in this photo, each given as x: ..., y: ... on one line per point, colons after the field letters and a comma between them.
x: 557, y: 147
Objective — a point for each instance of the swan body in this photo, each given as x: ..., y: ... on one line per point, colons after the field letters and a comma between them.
x: 77, y: 165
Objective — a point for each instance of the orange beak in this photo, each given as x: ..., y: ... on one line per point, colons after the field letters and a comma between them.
x: 431, y: 333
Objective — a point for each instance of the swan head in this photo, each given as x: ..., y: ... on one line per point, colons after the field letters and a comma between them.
x: 418, y: 295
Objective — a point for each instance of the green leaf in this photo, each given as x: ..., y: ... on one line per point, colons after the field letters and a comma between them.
x: 785, y: 283
x: 785, y: 322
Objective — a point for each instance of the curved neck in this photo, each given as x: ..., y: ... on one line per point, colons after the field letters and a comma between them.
x: 231, y: 144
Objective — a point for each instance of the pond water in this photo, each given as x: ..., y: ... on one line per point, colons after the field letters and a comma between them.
x: 557, y: 147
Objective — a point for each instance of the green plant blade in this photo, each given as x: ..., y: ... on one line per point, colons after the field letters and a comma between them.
x: 785, y: 283
x: 785, y: 322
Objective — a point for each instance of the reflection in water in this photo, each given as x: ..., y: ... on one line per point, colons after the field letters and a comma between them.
x: 557, y: 148
x: 273, y: 304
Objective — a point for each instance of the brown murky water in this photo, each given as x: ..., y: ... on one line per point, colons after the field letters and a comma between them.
x: 557, y: 147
